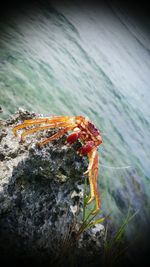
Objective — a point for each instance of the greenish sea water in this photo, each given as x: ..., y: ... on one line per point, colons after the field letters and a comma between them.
x: 77, y: 60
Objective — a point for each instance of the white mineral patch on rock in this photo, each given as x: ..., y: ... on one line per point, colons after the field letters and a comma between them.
x: 74, y: 209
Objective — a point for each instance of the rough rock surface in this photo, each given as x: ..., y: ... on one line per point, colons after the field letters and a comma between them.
x: 41, y: 198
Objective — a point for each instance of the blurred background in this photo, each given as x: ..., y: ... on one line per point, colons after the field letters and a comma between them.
x: 61, y: 58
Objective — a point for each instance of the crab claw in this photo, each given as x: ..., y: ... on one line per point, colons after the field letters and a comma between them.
x: 73, y: 137
x: 85, y: 149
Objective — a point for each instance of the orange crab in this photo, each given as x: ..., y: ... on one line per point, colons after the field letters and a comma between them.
x: 83, y: 130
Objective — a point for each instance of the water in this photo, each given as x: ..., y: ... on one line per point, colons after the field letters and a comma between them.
x: 81, y: 60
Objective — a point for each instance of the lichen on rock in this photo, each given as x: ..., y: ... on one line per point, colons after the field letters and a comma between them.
x: 41, y: 198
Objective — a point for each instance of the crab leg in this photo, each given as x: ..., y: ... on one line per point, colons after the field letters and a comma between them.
x: 47, y: 119
x: 92, y: 176
x: 53, y: 137
x: 33, y: 130
x: 40, y: 128
x: 65, y: 125
x: 55, y: 121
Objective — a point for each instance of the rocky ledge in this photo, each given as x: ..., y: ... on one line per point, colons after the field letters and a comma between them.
x: 41, y: 201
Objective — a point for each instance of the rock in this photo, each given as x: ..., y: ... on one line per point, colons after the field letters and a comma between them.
x: 41, y: 199
x: 90, y: 246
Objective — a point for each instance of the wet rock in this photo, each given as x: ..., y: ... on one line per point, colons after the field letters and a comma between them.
x: 41, y: 199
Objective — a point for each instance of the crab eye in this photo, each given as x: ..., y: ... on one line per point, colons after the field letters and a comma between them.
x: 93, y: 129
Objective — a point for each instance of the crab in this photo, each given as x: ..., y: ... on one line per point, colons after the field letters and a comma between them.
x: 83, y: 130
